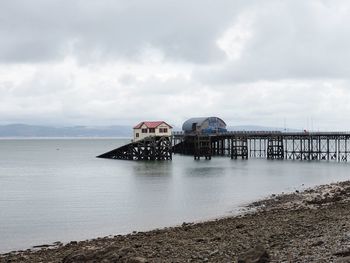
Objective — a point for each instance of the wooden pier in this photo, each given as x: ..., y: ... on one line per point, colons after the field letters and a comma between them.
x: 270, y: 145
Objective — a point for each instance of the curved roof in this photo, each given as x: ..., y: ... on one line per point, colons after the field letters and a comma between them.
x: 187, y: 126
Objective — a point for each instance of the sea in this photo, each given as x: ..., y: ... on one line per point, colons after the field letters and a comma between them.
x: 55, y: 189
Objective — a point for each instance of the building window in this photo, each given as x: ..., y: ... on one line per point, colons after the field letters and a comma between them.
x: 144, y: 130
x: 137, y: 135
x: 163, y: 130
x: 152, y: 130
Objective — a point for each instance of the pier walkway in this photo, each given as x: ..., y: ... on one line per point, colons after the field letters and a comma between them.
x: 265, y: 144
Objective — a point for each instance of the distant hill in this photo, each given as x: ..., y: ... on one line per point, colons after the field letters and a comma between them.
x: 23, y: 130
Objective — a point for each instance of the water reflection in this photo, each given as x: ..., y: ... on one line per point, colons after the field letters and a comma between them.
x: 204, y: 172
x: 152, y: 168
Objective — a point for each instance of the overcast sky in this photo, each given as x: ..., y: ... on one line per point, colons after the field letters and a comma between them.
x: 107, y: 62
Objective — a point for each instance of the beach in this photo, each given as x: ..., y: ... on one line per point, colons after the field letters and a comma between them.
x: 308, y: 226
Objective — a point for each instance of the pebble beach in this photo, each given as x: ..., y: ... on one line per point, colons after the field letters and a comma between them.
x: 307, y: 226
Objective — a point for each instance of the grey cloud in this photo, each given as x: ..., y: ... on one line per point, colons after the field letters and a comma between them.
x: 45, y: 30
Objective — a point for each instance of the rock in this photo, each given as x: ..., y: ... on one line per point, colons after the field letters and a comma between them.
x: 125, y: 251
x: 347, y: 235
x: 317, y: 243
x: 111, y: 257
x: 74, y: 258
x: 216, y: 238
x: 43, y: 246
x: 343, y: 260
x: 343, y: 253
x: 257, y: 254
x: 58, y: 243
x: 137, y: 260
x: 213, y: 253
x: 186, y: 224
x: 200, y: 239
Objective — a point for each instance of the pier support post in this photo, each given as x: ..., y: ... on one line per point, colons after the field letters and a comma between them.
x: 202, y: 147
x: 239, y: 147
x: 275, y: 148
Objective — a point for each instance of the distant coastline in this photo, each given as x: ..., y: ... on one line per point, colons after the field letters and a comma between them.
x: 33, y: 131
x: 113, y: 131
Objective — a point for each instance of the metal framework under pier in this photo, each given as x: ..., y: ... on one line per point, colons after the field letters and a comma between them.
x: 331, y: 146
x: 202, y: 147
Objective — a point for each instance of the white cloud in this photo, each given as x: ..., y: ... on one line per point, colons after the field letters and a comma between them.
x: 235, y: 38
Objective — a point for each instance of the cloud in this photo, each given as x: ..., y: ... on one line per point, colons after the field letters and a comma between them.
x: 93, y: 30
x: 119, y: 62
x: 286, y: 40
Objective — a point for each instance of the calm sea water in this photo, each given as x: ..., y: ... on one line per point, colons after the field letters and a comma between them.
x: 55, y: 189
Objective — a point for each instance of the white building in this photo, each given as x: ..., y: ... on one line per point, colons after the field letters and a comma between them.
x: 151, y: 128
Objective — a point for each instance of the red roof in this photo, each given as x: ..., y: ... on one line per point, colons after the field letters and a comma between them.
x: 151, y: 124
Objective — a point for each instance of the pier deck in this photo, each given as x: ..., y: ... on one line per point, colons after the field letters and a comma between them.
x: 266, y: 144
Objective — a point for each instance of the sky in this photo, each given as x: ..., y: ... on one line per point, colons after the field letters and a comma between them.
x: 109, y: 62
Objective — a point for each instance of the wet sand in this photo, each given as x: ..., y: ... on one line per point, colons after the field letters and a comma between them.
x: 308, y: 226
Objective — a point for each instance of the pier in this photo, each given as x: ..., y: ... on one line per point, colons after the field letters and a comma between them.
x: 207, y: 137
x: 328, y: 146
x: 265, y: 144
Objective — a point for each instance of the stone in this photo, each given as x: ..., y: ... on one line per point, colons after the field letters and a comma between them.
x: 343, y: 260
x: 317, y: 243
x: 257, y: 254
x: 347, y: 235
x: 125, y: 251
x: 80, y: 257
x: 343, y: 253
x: 200, y: 239
x: 137, y: 260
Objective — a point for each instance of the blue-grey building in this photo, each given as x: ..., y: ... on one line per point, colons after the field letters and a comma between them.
x: 204, y: 125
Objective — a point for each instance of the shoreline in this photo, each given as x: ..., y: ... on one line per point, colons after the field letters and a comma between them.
x: 312, y: 225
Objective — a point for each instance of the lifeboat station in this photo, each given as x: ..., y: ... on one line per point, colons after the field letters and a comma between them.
x: 207, y: 137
